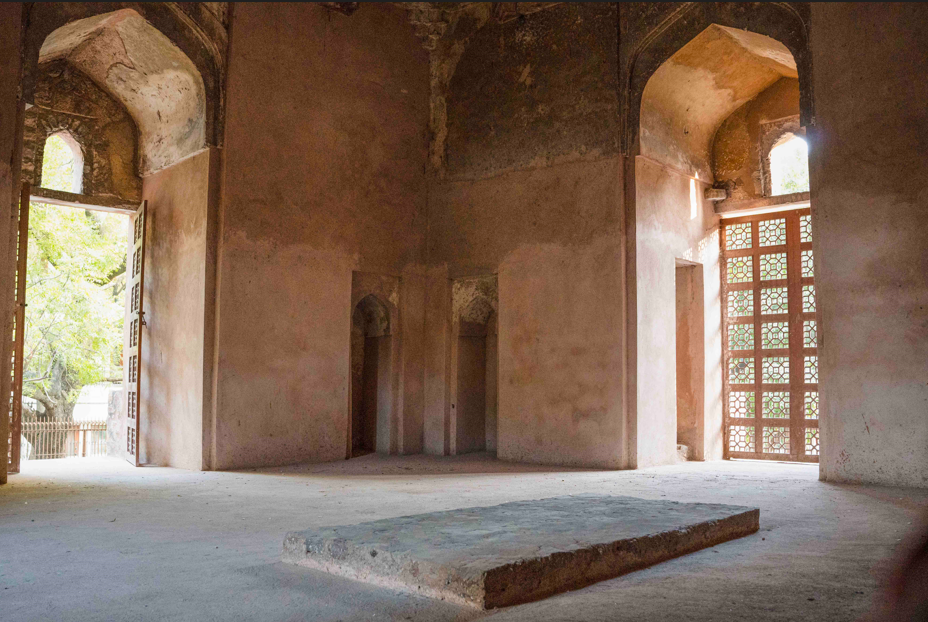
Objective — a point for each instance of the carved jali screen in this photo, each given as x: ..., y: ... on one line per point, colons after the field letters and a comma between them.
x: 770, y: 338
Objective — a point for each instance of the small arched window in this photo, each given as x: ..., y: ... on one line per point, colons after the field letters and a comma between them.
x: 789, y: 166
x: 62, y: 164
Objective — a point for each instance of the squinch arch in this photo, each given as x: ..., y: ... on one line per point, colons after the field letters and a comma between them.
x: 200, y: 37
x: 651, y: 34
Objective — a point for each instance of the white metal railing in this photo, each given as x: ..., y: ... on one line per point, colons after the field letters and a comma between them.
x: 45, y: 440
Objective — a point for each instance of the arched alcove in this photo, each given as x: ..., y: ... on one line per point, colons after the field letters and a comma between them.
x: 120, y: 79
x: 712, y: 76
x: 371, y: 375
x: 475, y: 370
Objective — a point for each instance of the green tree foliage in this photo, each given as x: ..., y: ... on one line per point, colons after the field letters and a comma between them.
x: 74, y: 292
x: 789, y: 167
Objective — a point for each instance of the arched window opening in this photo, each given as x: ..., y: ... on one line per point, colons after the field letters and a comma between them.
x: 789, y: 166
x: 62, y: 164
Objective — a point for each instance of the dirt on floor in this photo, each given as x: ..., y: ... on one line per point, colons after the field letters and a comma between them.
x: 95, y: 539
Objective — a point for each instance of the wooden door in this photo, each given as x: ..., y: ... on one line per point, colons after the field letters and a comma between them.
x: 770, y: 338
x: 135, y: 319
x: 19, y: 333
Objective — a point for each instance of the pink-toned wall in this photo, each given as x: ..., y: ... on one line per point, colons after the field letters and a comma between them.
x: 869, y: 179
x: 325, y: 150
x: 177, y: 350
x: 532, y: 192
x: 691, y: 384
x: 669, y: 228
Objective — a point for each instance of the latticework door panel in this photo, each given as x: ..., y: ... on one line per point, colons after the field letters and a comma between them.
x: 19, y: 325
x: 135, y: 318
x: 770, y: 338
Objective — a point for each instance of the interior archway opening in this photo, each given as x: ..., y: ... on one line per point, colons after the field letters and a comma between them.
x: 117, y: 107
x: 371, y: 351
x: 711, y: 115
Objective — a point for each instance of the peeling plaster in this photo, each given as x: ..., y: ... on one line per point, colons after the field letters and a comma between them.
x: 141, y: 68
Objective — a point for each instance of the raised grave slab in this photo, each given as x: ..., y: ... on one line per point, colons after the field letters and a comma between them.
x: 518, y: 552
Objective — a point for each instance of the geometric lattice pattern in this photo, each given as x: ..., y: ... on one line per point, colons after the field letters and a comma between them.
x: 808, y: 298
x: 774, y: 300
x: 812, y: 444
x: 776, y: 440
x: 811, y: 369
x: 776, y: 405
x: 741, y: 404
x: 740, y: 269
x: 805, y: 228
x: 740, y: 303
x: 741, y: 337
x: 774, y: 335
x: 741, y: 370
x: 738, y: 237
x: 776, y: 370
x: 773, y: 266
x: 741, y: 438
x: 772, y: 339
x: 807, y: 268
x: 772, y: 232
x: 811, y: 405
x: 809, y: 334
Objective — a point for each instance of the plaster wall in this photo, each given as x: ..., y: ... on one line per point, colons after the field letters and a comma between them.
x: 673, y: 222
x: 471, y: 400
x: 438, y: 364
x: 532, y: 192
x: 492, y: 388
x: 870, y: 215
x: 175, y: 346
x: 326, y: 142
x: 411, y: 372
x: 690, y: 336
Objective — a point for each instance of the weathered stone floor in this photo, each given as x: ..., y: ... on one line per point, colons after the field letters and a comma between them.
x: 98, y: 540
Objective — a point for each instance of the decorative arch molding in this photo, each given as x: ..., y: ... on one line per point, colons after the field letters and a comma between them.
x: 375, y: 303
x: 200, y: 35
x: 649, y: 34
x: 474, y: 300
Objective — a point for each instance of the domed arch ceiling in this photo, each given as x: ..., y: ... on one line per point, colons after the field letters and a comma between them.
x: 140, y: 67
x: 693, y: 92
